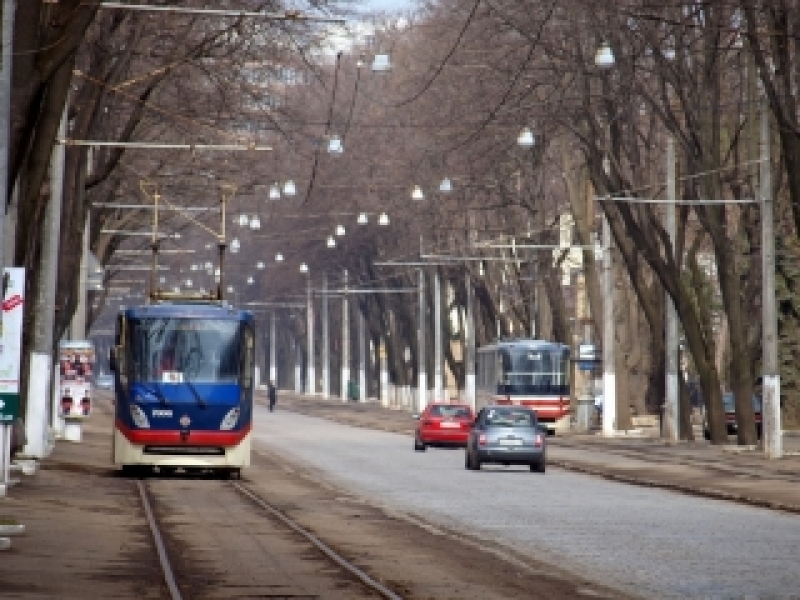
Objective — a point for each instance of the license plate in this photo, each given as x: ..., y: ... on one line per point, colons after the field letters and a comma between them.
x: 511, y: 442
x: 449, y: 424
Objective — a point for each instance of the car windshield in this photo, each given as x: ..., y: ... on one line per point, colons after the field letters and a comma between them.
x: 510, y: 417
x: 730, y: 405
x: 450, y: 412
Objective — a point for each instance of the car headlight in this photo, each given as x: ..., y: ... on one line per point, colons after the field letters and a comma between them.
x: 230, y: 419
x: 139, y: 417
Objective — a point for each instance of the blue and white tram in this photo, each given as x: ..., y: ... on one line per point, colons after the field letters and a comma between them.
x: 183, y: 387
x: 533, y: 373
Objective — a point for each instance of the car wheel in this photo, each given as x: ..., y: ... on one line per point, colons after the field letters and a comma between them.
x: 476, y: 463
x: 539, y: 467
x: 418, y: 445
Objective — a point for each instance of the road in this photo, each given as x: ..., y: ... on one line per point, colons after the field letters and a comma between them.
x: 648, y: 542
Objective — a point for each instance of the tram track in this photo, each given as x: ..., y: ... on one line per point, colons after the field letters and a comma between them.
x: 674, y: 457
x: 198, y: 562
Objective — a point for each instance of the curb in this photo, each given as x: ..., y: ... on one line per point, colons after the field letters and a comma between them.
x: 677, y: 487
x: 12, y: 529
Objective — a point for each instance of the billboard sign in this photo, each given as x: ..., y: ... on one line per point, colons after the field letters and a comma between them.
x: 11, y: 343
x: 76, y: 368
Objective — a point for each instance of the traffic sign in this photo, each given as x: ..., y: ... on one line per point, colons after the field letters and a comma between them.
x: 9, y: 407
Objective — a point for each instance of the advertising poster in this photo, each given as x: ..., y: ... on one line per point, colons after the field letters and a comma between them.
x: 76, y: 369
x: 11, y: 344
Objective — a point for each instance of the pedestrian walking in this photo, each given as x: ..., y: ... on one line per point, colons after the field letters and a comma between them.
x: 273, y: 395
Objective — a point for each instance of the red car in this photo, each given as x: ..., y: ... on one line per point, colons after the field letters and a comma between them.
x: 443, y: 425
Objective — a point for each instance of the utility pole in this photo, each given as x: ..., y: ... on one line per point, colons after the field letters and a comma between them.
x: 771, y: 379
x: 362, y: 358
x: 326, y: 341
x: 422, y: 398
x: 437, y: 337
x: 671, y: 422
x: 469, y: 339
x: 273, y: 360
x: 345, y: 342
x: 609, y: 377
x: 310, y: 387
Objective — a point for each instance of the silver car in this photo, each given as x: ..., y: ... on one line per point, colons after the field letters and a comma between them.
x: 507, y: 435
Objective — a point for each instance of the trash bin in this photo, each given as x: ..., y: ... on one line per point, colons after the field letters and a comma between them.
x: 352, y: 391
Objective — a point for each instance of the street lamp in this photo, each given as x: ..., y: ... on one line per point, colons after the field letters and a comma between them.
x: 604, y: 57
x: 335, y: 146
x: 526, y: 138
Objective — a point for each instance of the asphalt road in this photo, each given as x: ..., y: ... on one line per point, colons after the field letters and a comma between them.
x: 649, y: 542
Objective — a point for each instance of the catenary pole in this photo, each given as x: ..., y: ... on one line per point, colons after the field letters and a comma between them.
x: 273, y: 359
x: 345, y: 341
x: 671, y: 428
x: 362, y: 357
x: 469, y: 338
x: 310, y: 375
x: 438, y: 385
x: 422, y: 383
x: 609, y: 377
x: 771, y: 379
x: 326, y: 341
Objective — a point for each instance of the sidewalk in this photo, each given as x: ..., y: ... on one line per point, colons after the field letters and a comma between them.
x: 723, y: 472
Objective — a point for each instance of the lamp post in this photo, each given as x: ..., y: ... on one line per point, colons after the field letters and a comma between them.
x: 604, y: 58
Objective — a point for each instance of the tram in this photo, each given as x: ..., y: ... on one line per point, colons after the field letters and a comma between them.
x: 183, y: 386
x: 526, y: 372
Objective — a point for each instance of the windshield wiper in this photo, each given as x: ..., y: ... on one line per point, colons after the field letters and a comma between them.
x: 200, y: 402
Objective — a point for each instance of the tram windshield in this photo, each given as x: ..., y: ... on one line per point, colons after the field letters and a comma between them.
x: 175, y: 350
x: 528, y: 371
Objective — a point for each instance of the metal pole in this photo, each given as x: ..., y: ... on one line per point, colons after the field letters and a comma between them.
x: 671, y: 427
x: 310, y: 387
x: 326, y: 341
x: 345, y: 341
x: 422, y: 395
x: 437, y: 338
x: 469, y: 338
x: 362, y: 358
x: 609, y: 378
x: 771, y: 380
x: 273, y: 359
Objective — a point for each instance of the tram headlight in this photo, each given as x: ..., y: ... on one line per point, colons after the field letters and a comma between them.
x: 230, y: 419
x: 139, y: 417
